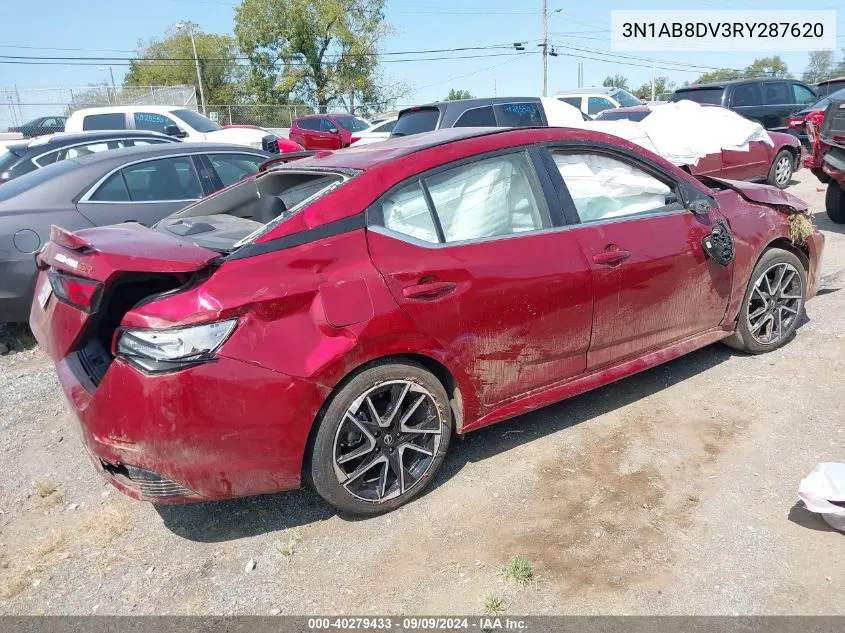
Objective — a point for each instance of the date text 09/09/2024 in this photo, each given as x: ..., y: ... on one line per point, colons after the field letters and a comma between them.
x: 482, y: 623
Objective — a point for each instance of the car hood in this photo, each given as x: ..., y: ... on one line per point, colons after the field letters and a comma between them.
x: 764, y: 194
x: 236, y: 135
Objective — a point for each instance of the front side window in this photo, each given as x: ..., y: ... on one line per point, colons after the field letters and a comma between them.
x: 351, y: 123
x: 385, y: 127
x: 152, y: 122
x: 406, y: 211
x: 747, y: 95
x: 477, y: 117
x: 113, y: 121
x: 165, y: 179
x: 603, y: 187
x: 598, y: 104
x: 802, y: 94
x: 232, y: 168
x: 201, y: 124
x: 776, y: 93
x: 519, y: 114
x: 491, y: 197
x: 327, y: 126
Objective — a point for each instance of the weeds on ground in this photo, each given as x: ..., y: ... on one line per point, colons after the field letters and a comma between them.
x: 494, y: 605
x: 288, y: 549
x: 518, y: 570
x: 49, y: 493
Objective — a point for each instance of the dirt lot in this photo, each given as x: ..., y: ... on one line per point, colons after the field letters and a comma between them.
x: 672, y: 492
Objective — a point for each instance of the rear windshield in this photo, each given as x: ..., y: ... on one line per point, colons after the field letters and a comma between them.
x: 34, y: 178
x: 416, y: 121
x: 821, y: 104
x: 10, y: 156
x: 712, y: 96
x: 616, y: 115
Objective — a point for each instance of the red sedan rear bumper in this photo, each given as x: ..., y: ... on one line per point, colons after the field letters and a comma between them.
x: 214, y: 431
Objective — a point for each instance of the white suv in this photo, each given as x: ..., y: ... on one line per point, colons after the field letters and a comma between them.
x: 591, y: 101
x: 171, y: 120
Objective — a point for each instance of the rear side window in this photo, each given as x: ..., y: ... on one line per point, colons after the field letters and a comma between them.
x: 802, y: 94
x: 113, y: 190
x: 406, y: 212
x: 152, y: 122
x: 712, y: 96
x: 114, y: 121
x: 747, y: 95
x: 519, y: 114
x: 477, y: 117
x: 573, y: 101
x: 161, y: 180
x: 776, y: 93
x: 309, y: 124
x: 416, y: 121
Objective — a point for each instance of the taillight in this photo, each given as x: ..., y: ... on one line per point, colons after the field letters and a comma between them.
x: 76, y: 291
x: 813, y: 122
x: 795, y: 122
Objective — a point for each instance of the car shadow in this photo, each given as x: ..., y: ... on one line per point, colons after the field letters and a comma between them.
x: 233, y: 519
x: 799, y: 515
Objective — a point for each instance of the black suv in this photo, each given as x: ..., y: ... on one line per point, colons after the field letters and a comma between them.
x: 22, y: 158
x: 489, y: 112
x: 768, y: 101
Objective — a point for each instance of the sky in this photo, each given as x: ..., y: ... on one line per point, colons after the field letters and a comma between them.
x: 115, y: 28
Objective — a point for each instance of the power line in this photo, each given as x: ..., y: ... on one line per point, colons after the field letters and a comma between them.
x: 480, y: 70
x: 595, y: 51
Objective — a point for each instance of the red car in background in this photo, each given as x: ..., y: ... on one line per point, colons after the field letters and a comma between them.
x: 326, y: 131
x: 279, y: 144
x: 771, y: 164
x: 401, y: 294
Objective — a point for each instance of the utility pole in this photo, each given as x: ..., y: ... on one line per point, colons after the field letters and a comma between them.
x: 653, y: 71
x: 545, y: 49
x: 190, y: 27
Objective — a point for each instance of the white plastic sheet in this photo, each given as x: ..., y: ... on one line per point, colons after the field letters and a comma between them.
x: 825, y: 484
x: 685, y: 132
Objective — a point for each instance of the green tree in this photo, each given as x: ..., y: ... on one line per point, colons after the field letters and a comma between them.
x: 724, y: 74
x: 455, y: 95
x: 767, y: 67
x: 322, y: 51
x: 170, y: 62
x: 615, y: 81
x: 820, y: 66
x: 662, y: 85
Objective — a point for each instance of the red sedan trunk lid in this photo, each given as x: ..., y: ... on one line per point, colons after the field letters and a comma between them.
x: 102, y: 255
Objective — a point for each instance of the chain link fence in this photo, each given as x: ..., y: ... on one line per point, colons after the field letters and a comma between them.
x: 19, y: 105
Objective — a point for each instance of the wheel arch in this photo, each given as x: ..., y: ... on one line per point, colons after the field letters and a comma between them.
x: 801, y: 251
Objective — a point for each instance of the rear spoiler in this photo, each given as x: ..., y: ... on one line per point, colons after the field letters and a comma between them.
x: 286, y: 158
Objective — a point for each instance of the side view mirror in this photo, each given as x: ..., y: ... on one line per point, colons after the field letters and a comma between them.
x: 701, y: 206
x: 175, y: 130
x: 333, y: 130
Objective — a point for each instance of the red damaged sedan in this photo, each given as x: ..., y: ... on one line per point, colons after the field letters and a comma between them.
x: 340, y: 318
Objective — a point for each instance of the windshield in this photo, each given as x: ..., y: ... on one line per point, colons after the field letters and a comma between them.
x: 821, y: 104
x: 197, y: 121
x: 351, y: 123
x: 625, y: 98
x: 34, y: 178
x: 713, y: 96
x: 616, y: 115
x: 416, y: 121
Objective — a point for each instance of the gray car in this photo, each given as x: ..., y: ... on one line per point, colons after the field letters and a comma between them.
x: 136, y: 184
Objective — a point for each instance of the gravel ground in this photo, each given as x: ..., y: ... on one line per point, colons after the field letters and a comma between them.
x: 671, y: 492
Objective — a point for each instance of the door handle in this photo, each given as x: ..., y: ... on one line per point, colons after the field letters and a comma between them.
x: 611, y: 257
x: 431, y: 290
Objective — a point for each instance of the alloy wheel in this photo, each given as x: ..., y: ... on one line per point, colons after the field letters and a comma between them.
x: 387, y: 440
x: 774, y: 303
x: 783, y: 170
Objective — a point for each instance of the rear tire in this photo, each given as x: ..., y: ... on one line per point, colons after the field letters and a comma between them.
x: 381, y: 439
x: 772, y: 305
x: 780, y: 173
x: 834, y: 202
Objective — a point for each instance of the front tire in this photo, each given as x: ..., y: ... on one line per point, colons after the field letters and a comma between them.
x: 381, y: 439
x: 772, y: 303
x: 834, y: 202
x: 780, y: 173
